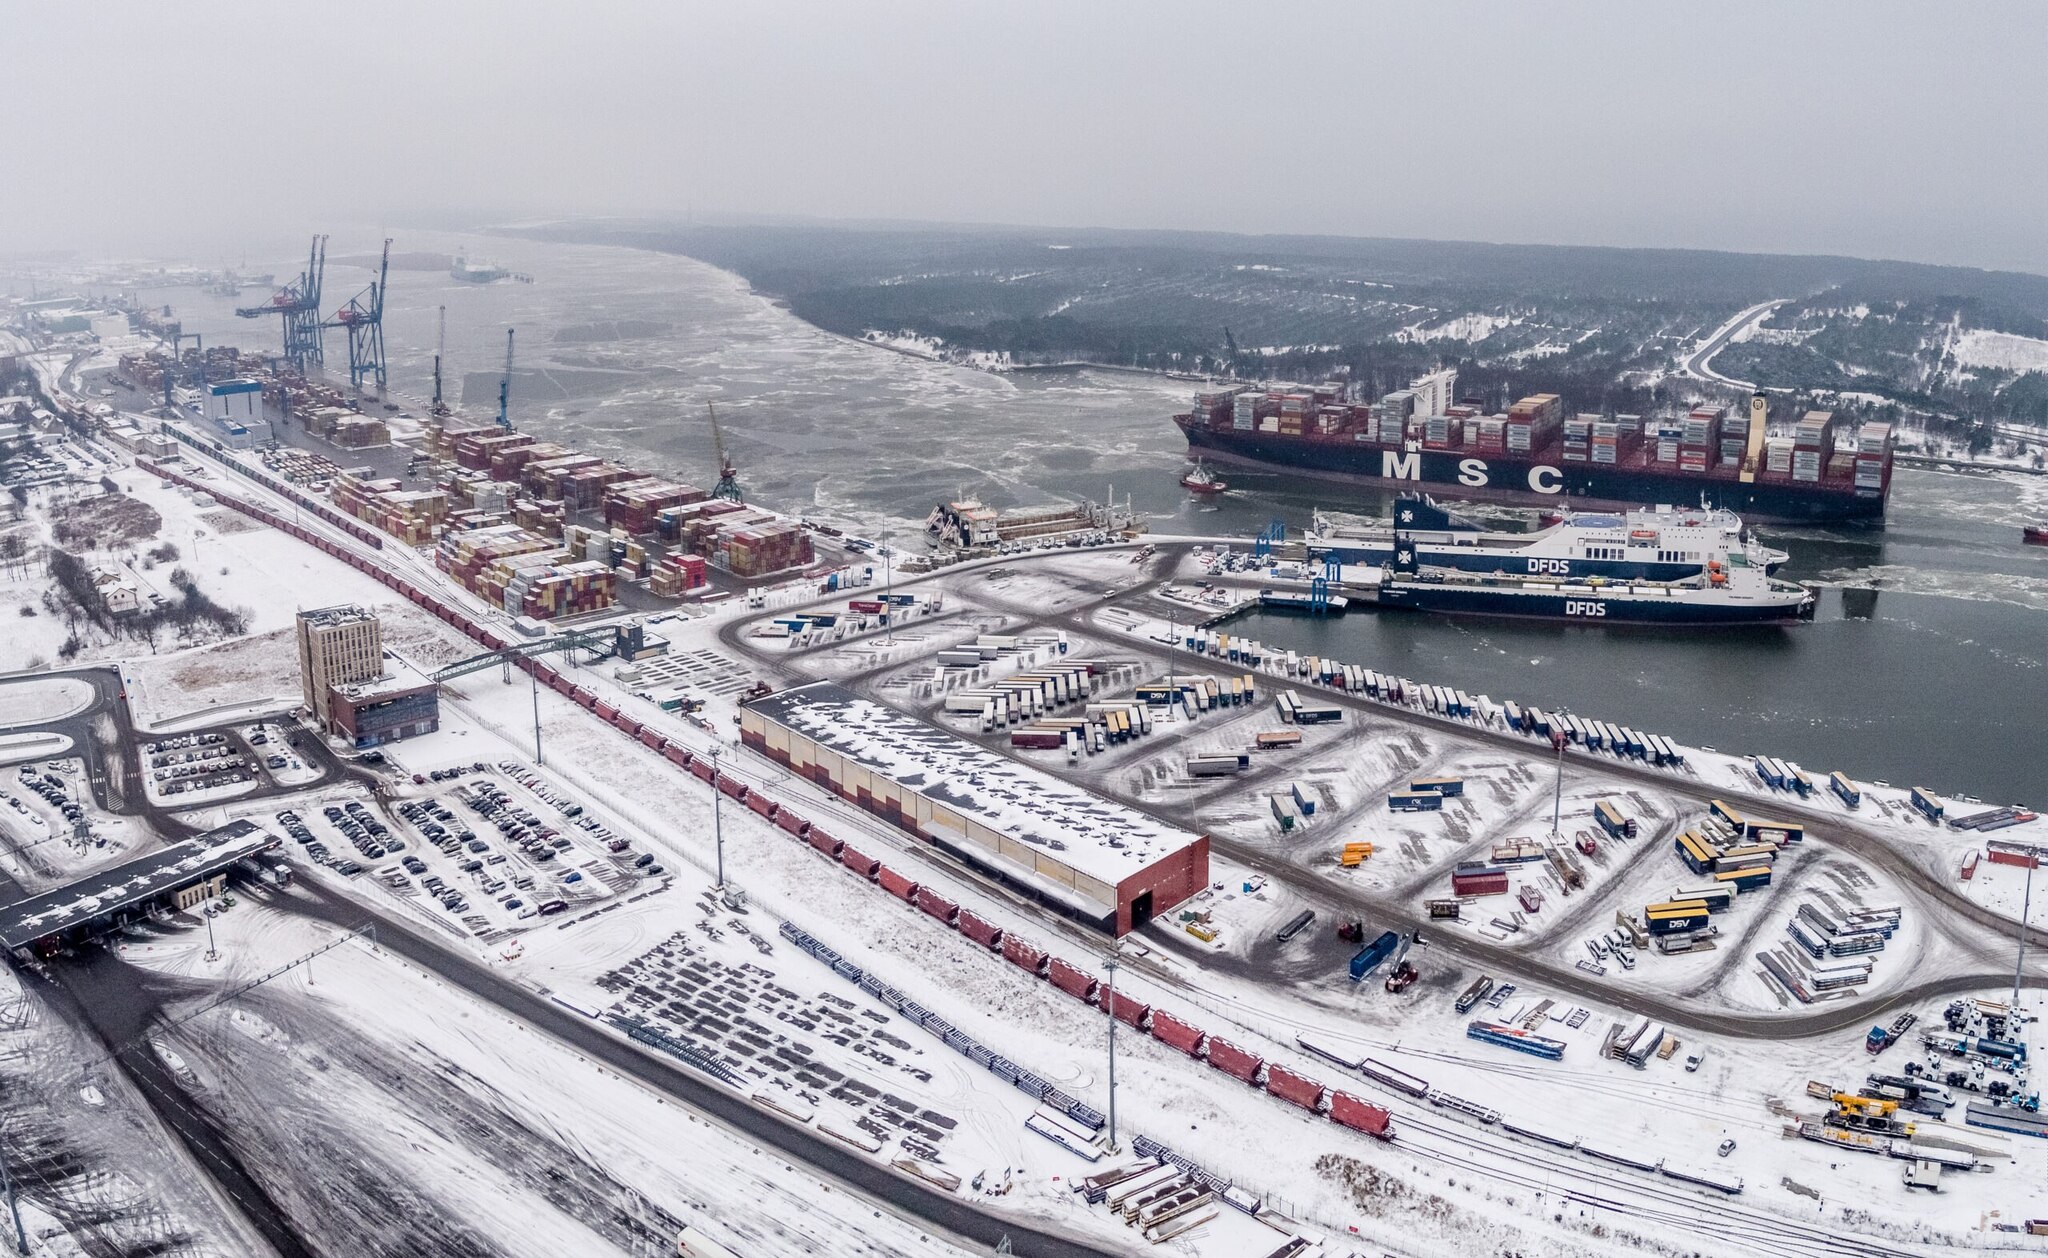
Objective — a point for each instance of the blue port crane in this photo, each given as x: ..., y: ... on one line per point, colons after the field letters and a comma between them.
x: 505, y: 387
x: 363, y: 319
x: 298, y: 303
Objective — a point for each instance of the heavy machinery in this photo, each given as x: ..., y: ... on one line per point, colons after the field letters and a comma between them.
x: 505, y: 387
x: 363, y: 319
x: 1403, y: 977
x: 1876, y: 1115
x: 728, y: 486
x: 298, y: 303
x: 440, y: 407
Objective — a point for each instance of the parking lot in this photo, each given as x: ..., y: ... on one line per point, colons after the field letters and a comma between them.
x: 490, y: 851
x: 208, y: 765
x: 276, y: 747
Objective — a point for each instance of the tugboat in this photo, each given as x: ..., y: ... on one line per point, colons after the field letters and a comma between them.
x: 2035, y: 535
x: 1203, y: 481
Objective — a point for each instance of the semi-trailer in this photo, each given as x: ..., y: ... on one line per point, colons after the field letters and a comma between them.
x: 1373, y: 954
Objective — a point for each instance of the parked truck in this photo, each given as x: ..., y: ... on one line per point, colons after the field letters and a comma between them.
x: 1370, y: 956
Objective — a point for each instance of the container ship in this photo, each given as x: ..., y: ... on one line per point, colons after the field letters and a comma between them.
x: 1825, y: 470
x: 1653, y: 544
x: 477, y: 272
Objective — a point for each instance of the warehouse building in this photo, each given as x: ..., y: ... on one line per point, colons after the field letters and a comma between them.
x: 400, y: 704
x: 1093, y: 860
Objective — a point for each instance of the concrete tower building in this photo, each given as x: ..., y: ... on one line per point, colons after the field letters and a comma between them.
x: 338, y: 646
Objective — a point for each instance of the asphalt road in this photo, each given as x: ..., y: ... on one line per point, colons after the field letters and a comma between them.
x: 1696, y: 364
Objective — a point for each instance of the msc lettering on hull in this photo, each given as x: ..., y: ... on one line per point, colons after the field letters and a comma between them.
x: 1582, y: 607
x: 1472, y: 473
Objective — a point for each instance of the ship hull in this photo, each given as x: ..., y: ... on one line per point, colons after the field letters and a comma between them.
x: 1530, y: 482
x: 1586, y: 607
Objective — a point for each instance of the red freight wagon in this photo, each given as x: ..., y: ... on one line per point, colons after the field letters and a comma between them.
x: 1293, y: 1088
x: 987, y: 934
x: 1348, y: 1111
x: 862, y: 864
x: 702, y: 768
x: 763, y: 805
x: 562, y: 685
x: 653, y: 738
x: 1128, y: 1010
x: 733, y: 787
x: 1234, y: 1061
x: 824, y: 842
x: 791, y: 822
x: 583, y: 698
x: 1022, y: 955
x: 1082, y: 986
x: 676, y: 755
x: 1174, y: 1033
x: 896, y: 884
x: 937, y: 905
x: 605, y: 711
x: 627, y: 725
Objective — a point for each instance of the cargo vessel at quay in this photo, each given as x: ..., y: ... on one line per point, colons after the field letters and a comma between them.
x: 1822, y: 469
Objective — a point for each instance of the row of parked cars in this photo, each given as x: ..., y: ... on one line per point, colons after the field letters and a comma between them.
x: 572, y: 810
x: 53, y: 793
x: 316, y: 851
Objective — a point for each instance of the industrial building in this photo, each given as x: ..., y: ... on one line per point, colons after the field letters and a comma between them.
x: 177, y: 876
x: 338, y: 646
x: 1093, y: 860
x: 235, y: 410
x: 399, y: 704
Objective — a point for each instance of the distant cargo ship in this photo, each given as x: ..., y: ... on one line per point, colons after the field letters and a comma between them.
x: 477, y: 272
x: 1654, y: 544
x: 1824, y: 471
x: 2035, y: 534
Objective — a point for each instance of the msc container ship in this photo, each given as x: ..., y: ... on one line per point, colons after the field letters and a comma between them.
x: 1825, y: 470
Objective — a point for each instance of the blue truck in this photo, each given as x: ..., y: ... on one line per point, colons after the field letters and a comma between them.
x: 1373, y: 954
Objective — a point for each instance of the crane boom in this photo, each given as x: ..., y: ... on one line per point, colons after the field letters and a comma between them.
x: 440, y: 347
x: 505, y: 386
x: 728, y: 476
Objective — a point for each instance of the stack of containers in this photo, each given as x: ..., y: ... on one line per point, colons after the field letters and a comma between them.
x: 677, y: 574
x: 1395, y: 410
x: 1871, y: 441
x: 1610, y: 442
x: 1488, y: 434
x: 509, y: 463
x: 1214, y: 410
x: 1295, y: 409
x: 1331, y: 418
x: 1533, y: 421
x: 672, y: 522
x: 547, y: 590
x: 584, y: 489
x: 541, y: 515
x: 1244, y: 412
x: 1442, y: 432
x: 1734, y: 438
x: 546, y: 478
x: 1697, y: 447
x: 412, y: 516
x: 1578, y: 438
x: 473, y: 447
x: 755, y: 552
x: 1669, y: 435
x: 1778, y: 455
x: 1810, y: 441
x: 466, y: 555
x: 635, y: 505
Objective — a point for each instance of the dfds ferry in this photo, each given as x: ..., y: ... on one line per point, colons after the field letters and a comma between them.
x: 1654, y: 544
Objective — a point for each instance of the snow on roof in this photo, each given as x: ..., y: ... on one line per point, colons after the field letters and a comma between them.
x: 176, y: 865
x: 1095, y: 837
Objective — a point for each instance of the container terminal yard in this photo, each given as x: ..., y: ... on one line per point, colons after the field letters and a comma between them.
x: 1004, y: 898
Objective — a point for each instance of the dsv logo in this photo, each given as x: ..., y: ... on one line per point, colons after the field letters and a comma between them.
x: 1581, y: 607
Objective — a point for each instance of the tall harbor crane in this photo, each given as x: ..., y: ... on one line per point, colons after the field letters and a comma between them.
x: 299, y: 304
x: 440, y: 347
x: 728, y: 486
x: 363, y: 319
x: 505, y: 386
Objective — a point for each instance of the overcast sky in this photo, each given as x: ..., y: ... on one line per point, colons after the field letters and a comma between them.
x: 1892, y: 130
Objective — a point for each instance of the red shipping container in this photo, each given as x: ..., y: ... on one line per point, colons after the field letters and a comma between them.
x: 763, y: 805
x: 987, y: 934
x: 1081, y: 986
x: 896, y: 884
x: 824, y: 842
x: 1234, y: 1061
x: 859, y: 863
x: 1479, y: 884
x: 937, y: 905
x: 1293, y: 1088
x: 1128, y: 1009
x: 1174, y: 1033
x: 791, y: 822
x: 1023, y: 955
x: 1348, y: 1111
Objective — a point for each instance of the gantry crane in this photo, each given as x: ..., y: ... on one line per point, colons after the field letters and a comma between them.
x: 440, y: 347
x: 505, y: 387
x: 363, y: 319
x: 299, y: 304
x: 728, y: 486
